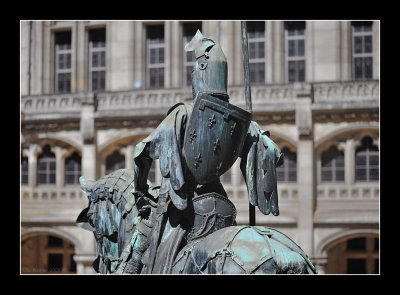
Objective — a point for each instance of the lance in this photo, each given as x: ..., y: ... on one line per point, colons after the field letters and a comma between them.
x: 247, y: 94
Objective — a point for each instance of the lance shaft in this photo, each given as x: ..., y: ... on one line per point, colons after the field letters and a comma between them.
x: 247, y: 93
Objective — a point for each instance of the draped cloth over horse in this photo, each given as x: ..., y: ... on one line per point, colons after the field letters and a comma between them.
x: 188, y: 224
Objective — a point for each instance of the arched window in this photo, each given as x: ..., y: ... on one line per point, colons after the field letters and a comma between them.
x: 72, y: 169
x: 287, y: 171
x: 332, y: 165
x: 47, y: 254
x: 367, y: 161
x: 359, y: 255
x: 46, y: 167
x: 24, y: 170
x: 114, y: 162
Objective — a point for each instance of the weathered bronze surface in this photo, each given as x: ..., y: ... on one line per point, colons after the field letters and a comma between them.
x: 188, y: 225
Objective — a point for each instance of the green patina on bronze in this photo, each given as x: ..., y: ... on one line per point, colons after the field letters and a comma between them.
x: 188, y: 225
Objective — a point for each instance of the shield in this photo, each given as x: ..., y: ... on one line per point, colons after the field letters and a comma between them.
x: 214, y: 137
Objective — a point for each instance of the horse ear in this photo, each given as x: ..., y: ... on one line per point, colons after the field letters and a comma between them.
x: 83, y: 222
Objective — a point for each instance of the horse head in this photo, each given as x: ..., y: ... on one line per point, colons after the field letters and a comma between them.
x: 111, y: 215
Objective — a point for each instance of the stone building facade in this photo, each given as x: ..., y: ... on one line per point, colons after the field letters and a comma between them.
x: 90, y: 90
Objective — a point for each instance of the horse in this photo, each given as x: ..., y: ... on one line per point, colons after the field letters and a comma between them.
x: 119, y: 222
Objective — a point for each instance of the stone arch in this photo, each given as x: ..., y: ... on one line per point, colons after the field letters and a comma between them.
x: 120, y: 139
x: 282, y: 140
x: 33, y: 231
x: 341, y: 132
x: 338, y: 237
x: 54, y: 140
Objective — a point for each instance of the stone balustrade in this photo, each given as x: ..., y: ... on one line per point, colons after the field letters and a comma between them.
x: 356, y: 191
x: 152, y: 102
x: 346, y: 94
x: 52, y: 194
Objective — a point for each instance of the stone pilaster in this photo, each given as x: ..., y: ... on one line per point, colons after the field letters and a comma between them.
x: 88, y: 133
x: 176, y: 54
x: 139, y: 54
x: 349, y: 158
x: 128, y: 152
x: 32, y: 153
x: 60, y: 164
x: 168, y: 54
x: 227, y: 43
x: 278, y: 41
x: 305, y: 169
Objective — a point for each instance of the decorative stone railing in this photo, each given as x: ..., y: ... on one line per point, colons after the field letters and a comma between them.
x: 346, y: 94
x: 148, y: 102
x: 357, y: 191
x: 52, y: 194
x: 279, y: 97
x: 52, y: 106
x: 286, y: 192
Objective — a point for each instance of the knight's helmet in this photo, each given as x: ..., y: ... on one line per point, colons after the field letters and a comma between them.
x: 210, y: 73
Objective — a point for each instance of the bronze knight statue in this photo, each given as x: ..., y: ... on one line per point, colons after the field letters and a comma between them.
x: 188, y: 225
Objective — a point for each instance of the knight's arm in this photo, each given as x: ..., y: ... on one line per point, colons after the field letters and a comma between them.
x: 260, y: 157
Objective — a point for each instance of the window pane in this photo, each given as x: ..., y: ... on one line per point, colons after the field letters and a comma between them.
x: 376, y: 244
x: 291, y: 48
x: 367, y: 44
x: 61, y: 61
x: 376, y: 266
x: 368, y: 67
x: 292, y: 71
x: 339, y: 175
x: 358, y: 44
x: 280, y: 174
x: 95, y: 59
x: 358, y: 68
x: 260, y: 50
x: 361, y: 174
x: 161, y: 55
x: 356, y: 244
x: 374, y: 160
x: 252, y: 50
x: 102, y: 80
x: 361, y: 159
x: 301, y: 71
x: 54, y: 241
x: 52, y: 178
x: 374, y: 174
x: 300, y: 47
x: 54, y: 262
x: 292, y: 175
x: 102, y: 58
x: 326, y: 175
x: 356, y: 266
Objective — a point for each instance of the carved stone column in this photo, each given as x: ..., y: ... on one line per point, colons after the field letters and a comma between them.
x: 349, y: 158
x: 32, y: 154
x: 176, y: 55
x: 227, y: 46
x: 87, y: 126
x: 278, y: 66
x: 305, y: 168
x: 128, y: 152
x: 81, y: 58
x: 60, y: 164
x: 167, y: 61
x: 138, y: 57
x: 237, y: 66
x: 320, y: 264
